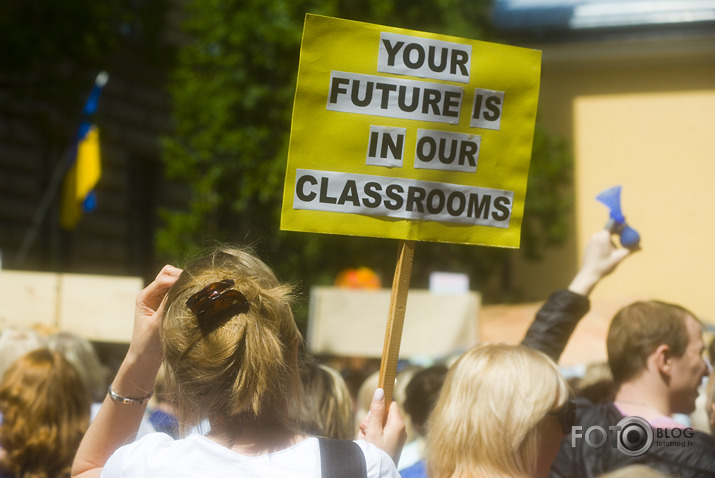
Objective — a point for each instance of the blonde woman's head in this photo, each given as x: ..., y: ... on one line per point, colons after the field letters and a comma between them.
x: 328, y: 409
x: 238, y: 367
x: 488, y: 419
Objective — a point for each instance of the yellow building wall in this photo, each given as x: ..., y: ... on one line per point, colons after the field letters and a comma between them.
x: 642, y: 116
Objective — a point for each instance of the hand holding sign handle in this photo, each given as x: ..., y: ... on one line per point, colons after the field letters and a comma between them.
x: 617, y: 222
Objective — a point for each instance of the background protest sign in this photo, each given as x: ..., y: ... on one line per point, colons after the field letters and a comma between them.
x: 409, y: 135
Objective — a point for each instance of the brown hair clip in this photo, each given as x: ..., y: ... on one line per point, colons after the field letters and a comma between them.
x: 217, y: 302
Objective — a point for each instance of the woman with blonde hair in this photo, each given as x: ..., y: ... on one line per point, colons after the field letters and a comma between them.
x: 502, y: 412
x: 45, y: 412
x: 226, y: 333
x: 327, y: 403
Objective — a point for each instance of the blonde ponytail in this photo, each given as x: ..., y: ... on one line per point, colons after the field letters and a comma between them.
x: 237, y: 369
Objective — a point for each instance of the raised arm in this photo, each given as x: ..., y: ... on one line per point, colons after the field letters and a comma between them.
x: 121, y: 413
x: 600, y: 258
x: 556, y: 320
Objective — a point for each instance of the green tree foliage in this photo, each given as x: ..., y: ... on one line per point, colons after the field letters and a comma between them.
x: 233, y: 94
x: 53, y: 49
x: 548, y: 197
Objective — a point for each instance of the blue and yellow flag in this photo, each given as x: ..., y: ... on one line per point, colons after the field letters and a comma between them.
x: 81, y: 179
x: 86, y: 169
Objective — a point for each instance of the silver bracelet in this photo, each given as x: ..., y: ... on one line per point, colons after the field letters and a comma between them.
x: 129, y: 401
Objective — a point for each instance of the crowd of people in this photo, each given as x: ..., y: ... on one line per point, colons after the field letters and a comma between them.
x: 216, y: 382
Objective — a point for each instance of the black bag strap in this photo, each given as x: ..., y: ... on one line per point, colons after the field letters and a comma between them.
x: 341, y: 459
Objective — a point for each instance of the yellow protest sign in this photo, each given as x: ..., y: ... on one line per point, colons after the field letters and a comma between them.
x: 409, y: 135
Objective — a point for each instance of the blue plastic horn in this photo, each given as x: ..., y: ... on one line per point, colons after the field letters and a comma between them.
x: 617, y: 222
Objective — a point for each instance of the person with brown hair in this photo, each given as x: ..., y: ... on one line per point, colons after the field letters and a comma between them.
x: 83, y: 356
x: 421, y: 393
x: 655, y: 354
x: 45, y: 410
x: 229, y: 343
x: 655, y: 351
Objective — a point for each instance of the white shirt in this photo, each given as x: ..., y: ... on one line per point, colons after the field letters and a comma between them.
x: 157, y: 455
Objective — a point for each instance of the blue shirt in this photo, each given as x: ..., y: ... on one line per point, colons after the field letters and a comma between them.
x: 417, y: 470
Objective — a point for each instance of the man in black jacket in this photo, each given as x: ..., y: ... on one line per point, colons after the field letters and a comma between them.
x: 655, y: 352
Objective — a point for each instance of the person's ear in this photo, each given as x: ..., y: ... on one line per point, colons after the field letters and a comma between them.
x: 663, y: 358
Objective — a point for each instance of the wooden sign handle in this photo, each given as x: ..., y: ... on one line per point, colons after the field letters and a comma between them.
x: 396, y: 318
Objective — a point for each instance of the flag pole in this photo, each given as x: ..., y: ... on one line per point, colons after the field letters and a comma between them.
x: 59, y: 173
x: 39, y: 215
